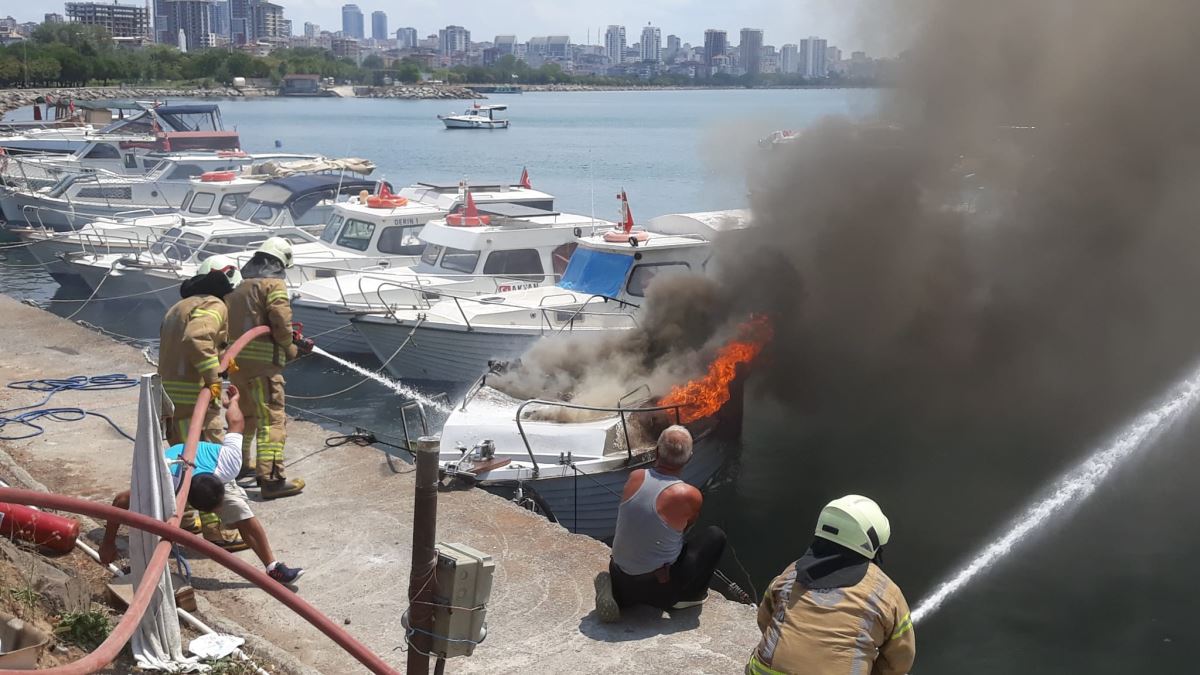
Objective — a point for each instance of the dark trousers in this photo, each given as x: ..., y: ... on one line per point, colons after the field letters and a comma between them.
x: 690, y: 573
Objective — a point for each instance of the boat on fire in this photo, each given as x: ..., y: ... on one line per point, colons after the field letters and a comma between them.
x: 569, y: 462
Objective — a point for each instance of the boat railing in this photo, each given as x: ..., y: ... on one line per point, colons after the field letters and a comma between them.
x: 417, y: 286
x: 33, y: 212
x: 620, y: 410
x: 569, y: 322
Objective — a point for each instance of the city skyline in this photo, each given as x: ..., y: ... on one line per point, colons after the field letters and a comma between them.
x: 783, y: 23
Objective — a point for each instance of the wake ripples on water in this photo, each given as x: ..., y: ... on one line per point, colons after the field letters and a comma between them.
x: 1074, y: 486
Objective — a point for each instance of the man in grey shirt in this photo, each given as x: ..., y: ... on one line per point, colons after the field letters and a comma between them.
x: 653, y: 563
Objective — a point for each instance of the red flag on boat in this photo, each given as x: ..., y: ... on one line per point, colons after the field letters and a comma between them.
x: 525, y: 179
x: 71, y: 107
x: 626, y: 214
x: 384, y: 191
x: 470, y: 211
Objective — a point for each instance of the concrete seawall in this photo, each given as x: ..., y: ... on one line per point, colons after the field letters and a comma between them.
x: 351, y: 530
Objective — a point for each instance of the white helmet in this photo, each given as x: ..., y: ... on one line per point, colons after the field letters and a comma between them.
x: 279, y: 249
x: 855, y: 522
x: 225, y: 265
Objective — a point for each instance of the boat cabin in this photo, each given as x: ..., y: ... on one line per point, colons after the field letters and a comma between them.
x: 305, y: 200
x: 448, y: 196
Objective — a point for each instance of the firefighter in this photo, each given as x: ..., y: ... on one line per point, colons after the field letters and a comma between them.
x: 192, y: 335
x: 262, y: 300
x: 834, y: 611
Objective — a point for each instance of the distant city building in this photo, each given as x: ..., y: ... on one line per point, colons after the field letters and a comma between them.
x: 716, y: 44
x: 189, y: 24
x: 812, y: 58
x: 221, y: 18
x: 406, y: 38
x: 674, y: 47
x: 285, y: 29
x: 53, y: 18
x: 269, y: 24
x: 345, y: 47
x: 453, y: 40
x: 554, y: 47
x: 789, y: 59
x: 379, y: 29
x: 122, y: 21
x: 651, y: 44
x: 505, y: 45
x: 352, y: 22
x: 241, y: 22
x: 311, y: 30
x: 614, y: 43
x: 833, y: 59
x: 751, y: 50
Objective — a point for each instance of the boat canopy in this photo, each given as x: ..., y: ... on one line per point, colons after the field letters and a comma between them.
x: 596, y: 272
x: 282, y: 191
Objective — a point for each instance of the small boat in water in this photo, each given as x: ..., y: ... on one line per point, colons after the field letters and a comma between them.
x: 476, y: 117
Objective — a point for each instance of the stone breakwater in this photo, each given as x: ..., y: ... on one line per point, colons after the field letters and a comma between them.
x: 413, y: 92
x: 11, y: 99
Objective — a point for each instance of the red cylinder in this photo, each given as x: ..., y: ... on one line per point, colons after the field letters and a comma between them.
x: 47, y: 530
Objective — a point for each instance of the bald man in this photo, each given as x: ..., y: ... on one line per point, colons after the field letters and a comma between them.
x: 652, y: 562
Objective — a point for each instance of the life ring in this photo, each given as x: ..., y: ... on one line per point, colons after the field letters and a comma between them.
x: 614, y: 236
x: 377, y: 202
x: 217, y: 176
x: 459, y: 220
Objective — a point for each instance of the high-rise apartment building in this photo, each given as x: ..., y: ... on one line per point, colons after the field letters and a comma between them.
x: 505, y: 44
x: 651, y: 44
x: 269, y: 24
x: 453, y: 40
x: 352, y: 22
x: 751, y: 50
x: 716, y: 44
x: 614, y: 43
x: 53, y: 18
x: 122, y: 21
x: 189, y: 24
x: 379, y: 29
x: 406, y: 38
x: 674, y: 47
x: 789, y: 59
x: 220, y: 18
x: 812, y: 57
x: 311, y: 30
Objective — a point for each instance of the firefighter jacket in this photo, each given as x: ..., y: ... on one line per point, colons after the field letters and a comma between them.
x: 864, y: 628
x: 263, y: 301
x: 192, y: 335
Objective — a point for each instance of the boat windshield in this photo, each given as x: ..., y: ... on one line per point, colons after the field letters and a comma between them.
x: 596, y: 272
x: 254, y: 211
x: 460, y: 260
x: 176, y: 246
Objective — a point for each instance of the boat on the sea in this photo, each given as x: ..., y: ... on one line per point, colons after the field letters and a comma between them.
x: 188, y: 126
x: 569, y: 462
x: 778, y: 139
x: 476, y: 117
x: 79, y: 198
x: 483, y: 248
x: 453, y: 339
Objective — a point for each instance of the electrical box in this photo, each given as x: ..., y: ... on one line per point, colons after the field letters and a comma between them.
x: 463, y: 587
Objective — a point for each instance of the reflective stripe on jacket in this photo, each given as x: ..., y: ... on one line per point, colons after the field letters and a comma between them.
x: 863, y: 629
x: 262, y: 302
x: 192, y: 335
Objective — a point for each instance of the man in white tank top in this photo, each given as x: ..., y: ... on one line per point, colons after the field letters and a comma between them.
x: 653, y: 563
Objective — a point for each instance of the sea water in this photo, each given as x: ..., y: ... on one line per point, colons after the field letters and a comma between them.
x: 404, y: 390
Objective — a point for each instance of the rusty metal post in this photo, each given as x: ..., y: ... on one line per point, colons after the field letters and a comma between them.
x: 424, y: 555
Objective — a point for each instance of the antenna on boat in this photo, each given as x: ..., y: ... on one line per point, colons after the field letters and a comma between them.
x: 592, y: 186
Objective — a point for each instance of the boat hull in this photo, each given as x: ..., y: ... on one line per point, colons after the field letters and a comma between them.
x: 333, y: 332
x: 20, y: 207
x: 452, y: 123
x: 443, y: 355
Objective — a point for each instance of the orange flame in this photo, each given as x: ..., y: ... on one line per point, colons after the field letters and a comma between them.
x: 706, y: 395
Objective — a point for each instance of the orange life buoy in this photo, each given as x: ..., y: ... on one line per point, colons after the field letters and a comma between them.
x: 616, y: 235
x: 217, y: 176
x: 377, y: 202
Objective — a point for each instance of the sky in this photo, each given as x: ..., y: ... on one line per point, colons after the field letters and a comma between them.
x: 838, y: 21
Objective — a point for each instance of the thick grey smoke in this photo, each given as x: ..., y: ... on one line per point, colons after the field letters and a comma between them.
x: 1004, y: 266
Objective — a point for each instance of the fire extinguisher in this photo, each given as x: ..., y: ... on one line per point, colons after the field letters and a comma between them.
x: 47, y: 530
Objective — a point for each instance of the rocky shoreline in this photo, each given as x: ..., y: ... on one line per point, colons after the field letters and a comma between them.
x: 11, y: 99
x: 418, y: 92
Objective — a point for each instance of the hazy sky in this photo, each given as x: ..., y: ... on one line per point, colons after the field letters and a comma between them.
x: 784, y: 21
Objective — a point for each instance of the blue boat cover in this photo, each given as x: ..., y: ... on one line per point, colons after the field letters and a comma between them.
x: 596, y: 272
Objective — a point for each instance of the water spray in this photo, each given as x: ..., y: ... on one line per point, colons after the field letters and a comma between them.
x: 399, y: 388
x: 1074, y: 486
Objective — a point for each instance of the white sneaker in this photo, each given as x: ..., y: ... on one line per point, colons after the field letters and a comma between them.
x: 606, y: 605
x: 684, y: 604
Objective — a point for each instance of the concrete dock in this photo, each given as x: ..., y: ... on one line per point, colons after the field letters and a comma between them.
x: 351, y: 530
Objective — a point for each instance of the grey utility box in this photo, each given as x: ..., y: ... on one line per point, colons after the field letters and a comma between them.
x: 464, y: 585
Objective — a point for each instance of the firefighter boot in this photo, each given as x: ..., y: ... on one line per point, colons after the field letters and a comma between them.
x: 276, y: 489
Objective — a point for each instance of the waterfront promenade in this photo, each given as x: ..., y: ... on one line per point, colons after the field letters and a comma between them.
x: 351, y: 530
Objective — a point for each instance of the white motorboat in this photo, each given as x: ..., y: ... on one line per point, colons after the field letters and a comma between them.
x: 79, y: 198
x: 189, y: 126
x: 571, y: 468
x: 455, y: 338
x: 476, y: 117
x: 509, y: 247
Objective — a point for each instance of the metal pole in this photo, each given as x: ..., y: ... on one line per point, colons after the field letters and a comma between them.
x: 424, y: 555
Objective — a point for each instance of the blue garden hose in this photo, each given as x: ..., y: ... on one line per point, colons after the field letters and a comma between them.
x: 30, y: 413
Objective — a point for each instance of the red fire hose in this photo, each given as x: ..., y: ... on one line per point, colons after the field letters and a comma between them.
x: 169, y: 531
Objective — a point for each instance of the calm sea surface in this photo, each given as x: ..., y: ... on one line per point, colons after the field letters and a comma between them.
x: 1105, y: 591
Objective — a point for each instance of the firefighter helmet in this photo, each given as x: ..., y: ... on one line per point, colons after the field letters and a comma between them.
x: 223, y: 264
x: 279, y: 249
x: 855, y: 522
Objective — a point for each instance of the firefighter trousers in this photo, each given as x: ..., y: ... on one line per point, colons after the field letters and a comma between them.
x: 262, y: 402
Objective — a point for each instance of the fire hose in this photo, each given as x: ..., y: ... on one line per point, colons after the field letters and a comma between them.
x: 107, y: 652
